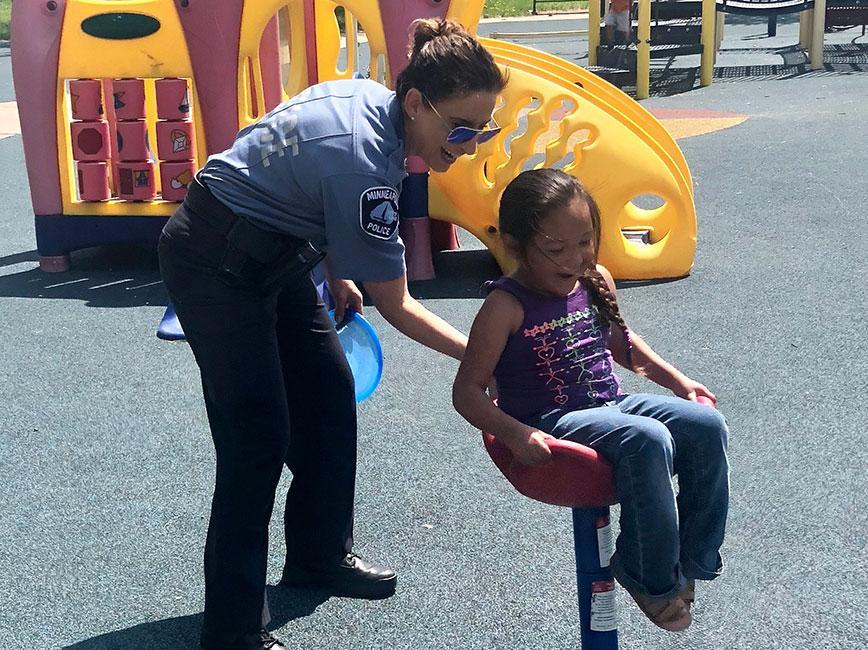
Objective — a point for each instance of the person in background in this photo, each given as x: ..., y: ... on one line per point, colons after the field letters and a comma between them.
x: 617, y: 19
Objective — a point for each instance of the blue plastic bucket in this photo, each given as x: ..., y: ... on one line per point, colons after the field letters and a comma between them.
x: 363, y: 351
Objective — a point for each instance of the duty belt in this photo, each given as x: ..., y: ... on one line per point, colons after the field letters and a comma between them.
x: 246, y: 239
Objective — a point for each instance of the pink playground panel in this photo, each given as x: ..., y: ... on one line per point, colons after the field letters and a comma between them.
x: 34, y: 66
x: 398, y: 17
x: 421, y: 235
x: 213, y: 57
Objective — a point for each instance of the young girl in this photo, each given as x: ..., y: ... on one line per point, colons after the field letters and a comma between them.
x: 548, y: 334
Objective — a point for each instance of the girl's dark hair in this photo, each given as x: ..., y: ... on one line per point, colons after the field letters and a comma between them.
x: 529, y: 198
x: 447, y: 61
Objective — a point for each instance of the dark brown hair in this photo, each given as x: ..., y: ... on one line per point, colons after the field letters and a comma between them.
x: 524, y: 205
x: 447, y: 61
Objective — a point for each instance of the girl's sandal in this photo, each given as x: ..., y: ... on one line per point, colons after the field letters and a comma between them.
x: 671, y: 614
x: 688, y: 594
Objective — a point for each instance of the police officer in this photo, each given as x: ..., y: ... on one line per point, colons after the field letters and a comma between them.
x: 317, y: 177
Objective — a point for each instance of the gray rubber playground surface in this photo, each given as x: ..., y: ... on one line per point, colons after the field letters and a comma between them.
x: 106, y: 462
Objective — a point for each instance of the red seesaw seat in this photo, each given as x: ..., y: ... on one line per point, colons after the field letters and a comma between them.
x: 575, y: 477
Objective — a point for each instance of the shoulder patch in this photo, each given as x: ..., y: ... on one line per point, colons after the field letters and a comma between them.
x: 378, y: 212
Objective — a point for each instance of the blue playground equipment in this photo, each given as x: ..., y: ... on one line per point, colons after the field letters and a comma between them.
x: 170, y: 328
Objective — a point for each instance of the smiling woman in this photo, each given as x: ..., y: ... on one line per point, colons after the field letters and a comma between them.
x: 317, y: 176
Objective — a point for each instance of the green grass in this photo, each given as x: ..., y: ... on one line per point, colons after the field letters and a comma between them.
x: 5, y: 16
x: 495, y: 8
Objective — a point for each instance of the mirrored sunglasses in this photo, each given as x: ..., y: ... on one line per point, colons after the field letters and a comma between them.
x: 462, y: 134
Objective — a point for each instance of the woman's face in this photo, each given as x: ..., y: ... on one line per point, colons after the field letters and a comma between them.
x: 427, y: 125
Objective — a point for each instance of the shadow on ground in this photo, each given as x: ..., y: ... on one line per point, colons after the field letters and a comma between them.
x: 759, y: 20
x: 129, y: 276
x: 182, y: 632
x: 110, y: 276
x: 460, y: 274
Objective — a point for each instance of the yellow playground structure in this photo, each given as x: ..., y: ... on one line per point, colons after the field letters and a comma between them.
x: 237, y: 59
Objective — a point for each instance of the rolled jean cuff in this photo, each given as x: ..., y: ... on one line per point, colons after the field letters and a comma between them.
x: 693, y: 570
x: 634, y: 586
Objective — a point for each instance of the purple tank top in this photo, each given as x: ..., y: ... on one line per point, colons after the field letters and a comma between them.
x: 558, y: 358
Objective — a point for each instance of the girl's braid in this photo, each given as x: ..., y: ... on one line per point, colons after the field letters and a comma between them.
x: 606, y: 301
x: 604, y: 298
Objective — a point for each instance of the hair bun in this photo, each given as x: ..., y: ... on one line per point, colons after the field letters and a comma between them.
x: 426, y: 30
x: 447, y: 61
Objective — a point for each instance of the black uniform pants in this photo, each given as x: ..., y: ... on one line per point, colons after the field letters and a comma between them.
x: 278, y: 390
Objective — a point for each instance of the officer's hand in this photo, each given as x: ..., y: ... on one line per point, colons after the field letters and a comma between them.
x: 347, y: 296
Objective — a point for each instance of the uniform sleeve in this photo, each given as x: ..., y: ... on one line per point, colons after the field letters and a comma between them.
x: 361, y: 224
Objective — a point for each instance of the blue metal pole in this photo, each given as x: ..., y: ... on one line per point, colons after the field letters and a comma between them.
x: 596, y: 587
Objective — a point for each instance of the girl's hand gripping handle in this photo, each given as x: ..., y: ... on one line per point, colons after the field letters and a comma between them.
x: 530, y: 449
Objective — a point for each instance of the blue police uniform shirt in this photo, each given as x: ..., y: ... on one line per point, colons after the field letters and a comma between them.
x: 325, y: 166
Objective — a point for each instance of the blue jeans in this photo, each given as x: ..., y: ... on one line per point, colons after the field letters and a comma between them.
x: 647, y: 438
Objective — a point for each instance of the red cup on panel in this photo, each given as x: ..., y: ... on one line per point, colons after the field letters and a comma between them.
x: 135, y: 181
x: 93, y: 181
x: 85, y: 96
x: 132, y: 139
x: 175, y: 177
x: 90, y: 140
x: 129, y: 99
x: 175, y: 140
x: 173, y: 99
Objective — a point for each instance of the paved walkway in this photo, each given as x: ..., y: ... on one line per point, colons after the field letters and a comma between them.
x: 107, y: 465
x: 9, y: 125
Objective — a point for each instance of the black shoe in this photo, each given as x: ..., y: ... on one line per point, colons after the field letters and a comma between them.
x: 261, y: 640
x: 352, y: 577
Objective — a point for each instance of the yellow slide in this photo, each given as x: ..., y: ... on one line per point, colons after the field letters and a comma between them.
x: 617, y: 100
x: 557, y: 114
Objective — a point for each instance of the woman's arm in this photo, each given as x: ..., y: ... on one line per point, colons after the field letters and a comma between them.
x: 345, y: 293
x: 648, y: 363
x: 499, y: 317
x: 408, y: 316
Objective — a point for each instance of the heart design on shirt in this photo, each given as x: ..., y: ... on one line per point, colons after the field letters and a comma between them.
x: 546, y: 353
x: 561, y: 399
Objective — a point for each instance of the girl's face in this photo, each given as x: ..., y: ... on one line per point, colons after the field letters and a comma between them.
x: 561, y: 250
x: 427, y: 125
